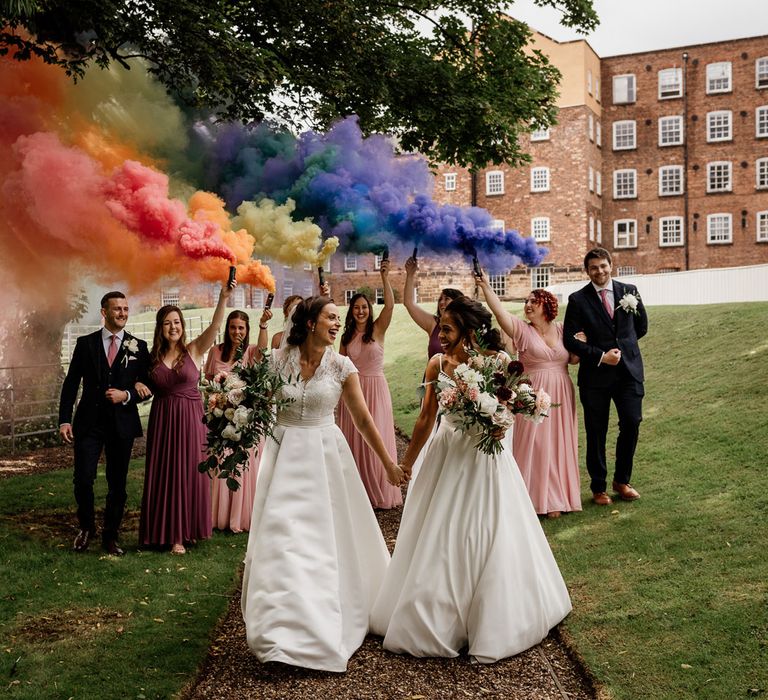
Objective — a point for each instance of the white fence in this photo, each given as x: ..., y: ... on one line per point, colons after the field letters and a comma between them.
x: 718, y: 286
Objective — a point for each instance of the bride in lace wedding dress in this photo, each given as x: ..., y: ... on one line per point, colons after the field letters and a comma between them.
x: 316, y: 556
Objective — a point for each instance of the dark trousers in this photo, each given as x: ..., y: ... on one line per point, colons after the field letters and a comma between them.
x: 117, y: 453
x: 627, y: 395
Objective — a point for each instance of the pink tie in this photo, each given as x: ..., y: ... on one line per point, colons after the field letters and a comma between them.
x: 606, y: 303
x: 112, y: 350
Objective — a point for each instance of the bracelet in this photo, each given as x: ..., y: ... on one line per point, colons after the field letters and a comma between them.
x: 263, y: 327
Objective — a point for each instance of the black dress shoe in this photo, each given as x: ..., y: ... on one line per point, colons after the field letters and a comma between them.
x: 82, y: 540
x: 113, y: 548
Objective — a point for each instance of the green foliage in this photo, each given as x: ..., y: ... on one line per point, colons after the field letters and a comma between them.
x: 462, y: 93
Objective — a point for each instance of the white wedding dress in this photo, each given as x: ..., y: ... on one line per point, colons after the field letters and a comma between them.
x: 471, y: 567
x: 316, y: 556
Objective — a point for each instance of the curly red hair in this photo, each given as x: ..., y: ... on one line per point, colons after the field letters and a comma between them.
x: 548, y: 303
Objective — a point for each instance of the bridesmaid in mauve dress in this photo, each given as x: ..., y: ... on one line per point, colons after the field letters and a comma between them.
x: 548, y: 452
x: 363, y: 342
x: 231, y: 510
x: 176, y: 504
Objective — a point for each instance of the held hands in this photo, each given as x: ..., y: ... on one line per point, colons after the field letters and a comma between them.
x: 396, y: 475
x: 142, y: 390
x: 65, y: 433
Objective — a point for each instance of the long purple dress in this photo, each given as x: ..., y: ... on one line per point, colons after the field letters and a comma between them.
x: 176, y: 505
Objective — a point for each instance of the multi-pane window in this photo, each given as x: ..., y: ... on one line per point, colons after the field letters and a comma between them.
x: 625, y: 233
x: 598, y: 134
x: 498, y: 284
x: 719, y: 125
x: 761, y: 72
x: 671, y: 230
x: 494, y: 182
x: 719, y: 229
x: 623, y: 89
x: 540, y: 228
x: 308, y: 266
x: 589, y: 81
x: 670, y: 180
x: 348, y: 294
x: 624, y: 184
x: 497, y: 224
x: 540, y: 277
x: 169, y: 297
x: 539, y: 179
x: 257, y: 298
x: 719, y: 77
x: 591, y: 228
x: 761, y: 173
x: 761, y: 219
x: 719, y: 176
x: 377, y: 261
x: 598, y: 183
x: 591, y: 179
x: 379, y: 295
x: 327, y: 264
x: 761, y: 121
x: 670, y: 83
x: 540, y: 135
x: 624, y: 135
x: 599, y: 232
x: 624, y: 270
x: 591, y: 127
x: 350, y: 262
x: 287, y: 289
x: 450, y: 181
x: 670, y: 131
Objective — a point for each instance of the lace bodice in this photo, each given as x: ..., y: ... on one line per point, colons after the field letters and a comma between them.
x: 316, y: 398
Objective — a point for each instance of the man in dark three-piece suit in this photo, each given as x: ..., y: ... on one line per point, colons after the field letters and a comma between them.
x: 612, y: 317
x: 109, y: 363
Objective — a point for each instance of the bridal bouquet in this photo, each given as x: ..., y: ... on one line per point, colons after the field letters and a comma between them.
x: 485, y: 393
x: 240, y: 408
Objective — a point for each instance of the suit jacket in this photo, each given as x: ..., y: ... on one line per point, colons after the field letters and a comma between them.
x: 89, y: 364
x: 586, y: 313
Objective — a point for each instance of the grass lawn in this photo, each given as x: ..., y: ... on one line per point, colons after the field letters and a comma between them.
x: 670, y: 592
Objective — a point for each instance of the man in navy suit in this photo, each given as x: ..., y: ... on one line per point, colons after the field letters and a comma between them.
x: 612, y: 317
x: 109, y: 363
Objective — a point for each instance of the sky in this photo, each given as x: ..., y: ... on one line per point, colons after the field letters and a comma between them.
x: 632, y: 26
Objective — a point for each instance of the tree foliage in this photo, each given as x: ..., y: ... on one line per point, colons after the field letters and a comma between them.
x: 461, y: 92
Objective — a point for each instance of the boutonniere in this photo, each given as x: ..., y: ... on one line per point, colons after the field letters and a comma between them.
x: 629, y: 303
x: 131, y: 349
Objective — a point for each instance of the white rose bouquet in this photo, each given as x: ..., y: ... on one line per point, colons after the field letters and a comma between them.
x: 485, y: 393
x: 240, y: 408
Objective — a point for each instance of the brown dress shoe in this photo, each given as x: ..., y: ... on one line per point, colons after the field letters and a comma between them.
x: 625, y: 491
x: 82, y: 540
x: 113, y: 548
x: 601, y: 498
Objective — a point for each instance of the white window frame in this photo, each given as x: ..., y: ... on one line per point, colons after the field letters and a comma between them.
x: 540, y: 228
x: 497, y: 225
x: 670, y: 175
x: 377, y: 259
x: 712, y: 221
x: 627, y: 238
x: 308, y: 266
x: 449, y: 182
x: 327, y: 263
x: 621, y: 182
x: 540, y: 179
x: 761, y: 227
x: 624, y: 130
x: 761, y: 72
x: 670, y: 83
x: 598, y: 183
x: 257, y: 298
x: 599, y: 232
x: 589, y: 81
x: 761, y: 121
x: 719, y: 165
x: 494, y: 182
x: 671, y: 127
x: 624, y: 87
x: 498, y: 284
x: 598, y: 134
x: 348, y: 294
x: 541, y: 277
x: 170, y: 297
x: 597, y: 88
x: 591, y: 179
x: 379, y: 294
x: 591, y: 127
x: 540, y: 135
x: 591, y: 228
x: 669, y: 225
x: 625, y: 270
x: 718, y: 73
x: 350, y: 262
x: 761, y: 174
x: 719, y: 126
x: 287, y: 289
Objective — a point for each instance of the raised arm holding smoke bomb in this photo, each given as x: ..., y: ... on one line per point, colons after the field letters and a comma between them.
x: 363, y: 342
x: 176, y: 505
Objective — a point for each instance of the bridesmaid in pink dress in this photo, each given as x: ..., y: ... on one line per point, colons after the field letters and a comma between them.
x: 363, y: 342
x: 232, y: 509
x: 548, y: 452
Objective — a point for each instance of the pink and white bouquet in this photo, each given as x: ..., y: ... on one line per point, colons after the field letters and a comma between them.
x: 239, y: 409
x: 484, y: 395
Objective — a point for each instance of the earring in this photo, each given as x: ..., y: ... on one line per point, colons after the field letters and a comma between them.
x: 313, y: 328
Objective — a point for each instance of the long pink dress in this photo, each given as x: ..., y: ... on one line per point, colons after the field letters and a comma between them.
x: 369, y: 360
x: 548, y: 452
x: 176, y: 503
x: 232, y: 509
